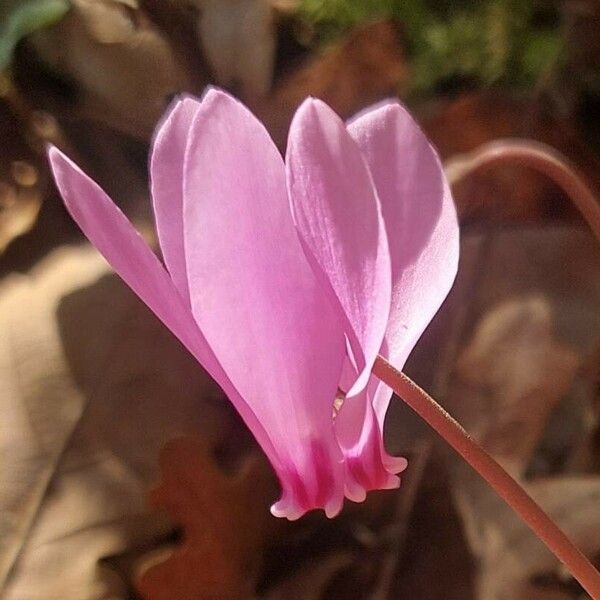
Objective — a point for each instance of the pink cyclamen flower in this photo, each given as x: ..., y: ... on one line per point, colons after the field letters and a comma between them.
x: 286, y: 279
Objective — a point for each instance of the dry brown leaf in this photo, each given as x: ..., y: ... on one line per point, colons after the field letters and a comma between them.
x: 23, y: 176
x: 365, y: 66
x: 225, y: 519
x: 92, y: 386
x: 507, y: 192
x: 239, y: 39
x: 531, y: 296
x: 39, y: 402
x: 512, y: 373
x: 122, y: 66
x: 517, y: 566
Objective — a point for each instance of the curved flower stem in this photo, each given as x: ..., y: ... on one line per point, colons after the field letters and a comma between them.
x: 538, y: 156
x: 504, y: 485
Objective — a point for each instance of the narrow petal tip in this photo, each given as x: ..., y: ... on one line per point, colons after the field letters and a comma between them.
x: 215, y: 94
x: 334, y: 507
x: 50, y: 148
x: 394, y: 464
x: 68, y: 174
x: 313, y: 108
x: 54, y: 154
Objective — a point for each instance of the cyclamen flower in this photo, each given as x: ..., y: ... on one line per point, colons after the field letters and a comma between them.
x: 286, y: 279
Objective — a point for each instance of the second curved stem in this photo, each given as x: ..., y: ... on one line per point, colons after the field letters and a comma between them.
x: 537, y: 156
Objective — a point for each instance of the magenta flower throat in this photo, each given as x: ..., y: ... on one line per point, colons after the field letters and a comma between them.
x: 286, y: 279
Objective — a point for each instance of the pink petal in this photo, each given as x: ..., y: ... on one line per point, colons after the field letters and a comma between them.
x: 166, y: 173
x: 116, y: 239
x: 256, y: 299
x: 368, y: 466
x: 421, y: 223
x: 337, y: 213
x: 360, y: 436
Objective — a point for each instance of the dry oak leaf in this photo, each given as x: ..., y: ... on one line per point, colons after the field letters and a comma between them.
x: 123, y: 67
x: 225, y: 519
x: 516, y: 565
x: 92, y: 386
x: 39, y: 402
x: 532, y: 296
x: 513, y: 372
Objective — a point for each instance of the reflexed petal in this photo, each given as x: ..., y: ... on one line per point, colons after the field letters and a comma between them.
x: 337, y: 213
x: 166, y: 175
x: 421, y: 223
x: 116, y: 239
x: 257, y: 301
x: 367, y: 465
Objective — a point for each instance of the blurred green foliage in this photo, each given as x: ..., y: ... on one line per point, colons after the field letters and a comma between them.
x: 513, y: 42
x: 19, y: 18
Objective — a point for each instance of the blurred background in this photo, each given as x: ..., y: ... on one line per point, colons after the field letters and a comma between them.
x: 124, y: 471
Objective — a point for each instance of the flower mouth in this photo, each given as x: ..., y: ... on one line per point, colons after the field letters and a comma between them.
x: 338, y: 402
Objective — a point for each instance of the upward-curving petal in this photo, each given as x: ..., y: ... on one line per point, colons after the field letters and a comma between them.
x: 420, y: 220
x: 166, y: 178
x: 113, y: 235
x: 110, y: 231
x: 257, y: 301
x: 338, y: 216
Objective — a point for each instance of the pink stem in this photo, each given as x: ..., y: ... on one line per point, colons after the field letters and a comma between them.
x: 506, y: 487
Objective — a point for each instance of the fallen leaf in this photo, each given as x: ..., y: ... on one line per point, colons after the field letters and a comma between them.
x: 511, y: 375
x: 530, y: 296
x: 238, y: 38
x: 517, y: 566
x: 507, y: 193
x: 121, y: 65
x: 363, y: 67
x: 39, y: 402
x: 225, y: 519
x: 92, y: 386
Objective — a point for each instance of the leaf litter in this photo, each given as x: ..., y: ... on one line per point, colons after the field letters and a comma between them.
x: 96, y: 396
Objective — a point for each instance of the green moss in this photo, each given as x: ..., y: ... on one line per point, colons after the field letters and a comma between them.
x: 486, y: 42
